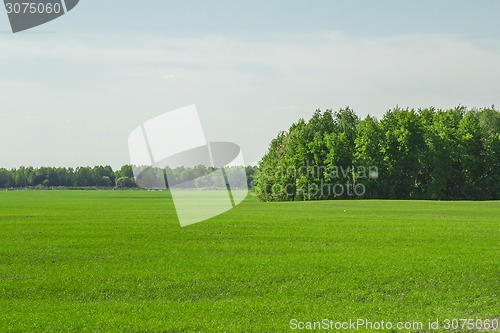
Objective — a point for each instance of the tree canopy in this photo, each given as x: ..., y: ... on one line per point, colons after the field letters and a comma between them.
x: 409, y: 154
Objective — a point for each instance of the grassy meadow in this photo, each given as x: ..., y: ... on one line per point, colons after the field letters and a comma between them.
x: 118, y: 261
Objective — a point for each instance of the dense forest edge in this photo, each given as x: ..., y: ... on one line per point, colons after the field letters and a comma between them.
x: 427, y: 153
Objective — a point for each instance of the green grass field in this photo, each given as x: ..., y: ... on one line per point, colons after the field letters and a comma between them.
x: 118, y: 261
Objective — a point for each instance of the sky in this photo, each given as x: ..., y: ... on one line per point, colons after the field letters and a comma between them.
x: 72, y: 90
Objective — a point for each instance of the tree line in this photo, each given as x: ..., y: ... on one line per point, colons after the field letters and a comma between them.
x: 426, y: 153
x: 97, y: 176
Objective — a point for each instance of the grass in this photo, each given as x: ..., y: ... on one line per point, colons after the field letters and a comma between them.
x: 118, y: 261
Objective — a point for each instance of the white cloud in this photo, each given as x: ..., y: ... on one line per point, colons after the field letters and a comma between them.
x: 108, y: 85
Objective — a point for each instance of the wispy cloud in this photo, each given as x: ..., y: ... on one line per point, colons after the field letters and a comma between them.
x: 111, y: 83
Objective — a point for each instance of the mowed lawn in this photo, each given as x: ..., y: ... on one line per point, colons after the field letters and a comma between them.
x: 118, y: 261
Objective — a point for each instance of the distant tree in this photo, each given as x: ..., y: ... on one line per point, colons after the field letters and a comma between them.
x: 105, y: 181
x: 104, y: 175
x: 84, y: 176
x: 5, y: 178
x: 21, y: 176
x: 124, y: 182
x: 250, y: 173
x: 125, y: 171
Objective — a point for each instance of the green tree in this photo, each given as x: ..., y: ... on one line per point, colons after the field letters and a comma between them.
x: 369, y: 155
x: 5, y: 178
x: 125, y: 182
x: 442, y: 168
x: 472, y: 157
x: 402, y: 147
x: 84, y: 176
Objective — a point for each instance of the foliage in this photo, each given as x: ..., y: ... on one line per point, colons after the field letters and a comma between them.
x: 408, y: 154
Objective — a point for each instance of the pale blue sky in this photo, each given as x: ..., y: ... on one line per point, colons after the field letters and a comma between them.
x: 258, y: 18
x: 73, y: 89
